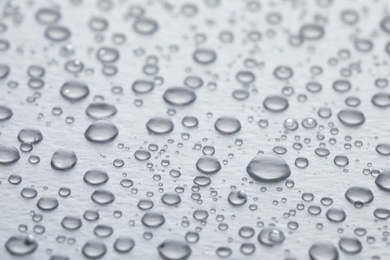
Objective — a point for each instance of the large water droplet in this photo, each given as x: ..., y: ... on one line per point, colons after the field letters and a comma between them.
x: 204, y: 56
x: 5, y: 113
x: 208, y: 164
x: 94, y: 249
x: 153, y: 220
x: 159, y: 125
x: 63, y: 159
x: 142, y: 86
x: 74, y: 91
x: 271, y: 236
x: 350, y: 245
x: 268, y: 168
x: 351, y: 117
x: 100, y: 110
x: 174, y: 250
x: 96, y: 177
x: 103, y: 197
x: 323, y: 251
x: 179, y: 96
x: 227, y: 125
x: 30, y: 135
x: 357, y: 194
x: 21, y: 245
x: 8, y: 154
x: 383, y: 180
x: 101, y: 131
x: 47, y: 203
x: 275, y: 103
x: 124, y: 244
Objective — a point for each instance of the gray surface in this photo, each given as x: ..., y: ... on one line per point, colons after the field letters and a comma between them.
x: 322, y: 177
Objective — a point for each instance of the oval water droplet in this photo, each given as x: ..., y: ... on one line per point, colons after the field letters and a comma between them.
x: 208, y: 164
x: 275, y: 103
x: 101, y: 131
x: 351, y: 117
x: 159, y: 125
x: 227, y: 125
x: 268, y: 168
x: 8, y: 154
x: 63, y: 159
x: 179, y: 96
x: 174, y: 250
x: 74, y: 90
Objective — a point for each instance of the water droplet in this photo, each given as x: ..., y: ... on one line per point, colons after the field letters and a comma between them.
x: 204, y: 56
x: 30, y: 135
x: 179, y: 96
x: 74, y: 91
x: 21, y: 245
x: 237, y: 198
x: 94, y: 249
x: 57, y: 33
x: 227, y: 125
x: 100, y: 110
x: 174, y: 250
x: 145, y: 26
x: 71, y: 223
x: 275, y: 103
x: 103, y: 197
x: 159, y: 125
x: 383, y: 180
x: 268, y: 168
x: 8, y: 154
x: 153, y: 220
x: 96, y: 177
x: 63, y: 159
x: 124, y: 244
x: 47, y: 203
x: 323, y: 251
x: 142, y: 86
x: 270, y: 236
x: 359, y: 194
x: 208, y: 164
x: 351, y: 117
x: 350, y: 245
x: 101, y: 131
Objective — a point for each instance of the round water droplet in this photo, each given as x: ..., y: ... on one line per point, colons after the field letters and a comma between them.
x: 71, y: 223
x: 29, y: 193
x: 204, y: 56
x: 323, y: 251
x: 275, y: 103
x: 171, y: 199
x: 100, y: 110
x: 142, y: 155
x: 382, y: 213
x: 145, y: 26
x: 174, y: 250
x: 101, y: 131
x: 96, y: 177
x: 8, y: 154
x: 271, y: 236
x: 74, y: 91
x: 312, y: 32
x: 268, y: 168
x: 47, y: 16
x: 342, y: 85
x: 350, y: 245
x: 359, y: 194
x: 351, y: 117
x: 179, y: 96
x: 21, y: 245
x: 381, y: 100
x: 383, y: 180
x: 57, y: 33
x: 283, y: 72
x: 5, y: 112
x: 30, y: 135
x: 208, y: 164
x: 142, y: 86
x: 63, y: 159
x: 237, y: 198
x: 383, y: 149
x: 103, y: 197
x: 227, y: 125
x: 107, y: 55
x: 124, y: 244
x: 47, y: 203
x: 94, y: 249
x: 153, y: 220
x: 159, y: 125
x: 336, y: 214
x: 341, y: 160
